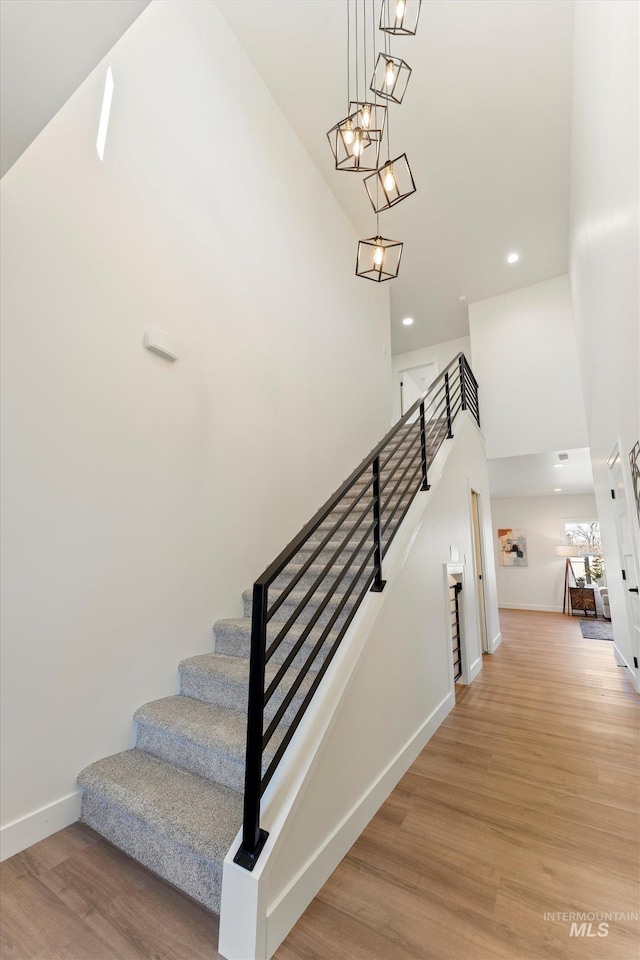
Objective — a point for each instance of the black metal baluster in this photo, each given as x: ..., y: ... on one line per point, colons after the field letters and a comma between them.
x: 474, y: 391
x: 423, y: 450
x: 463, y: 390
x: 448, y: 396
x: 253, y: 838
x: 378, y: 582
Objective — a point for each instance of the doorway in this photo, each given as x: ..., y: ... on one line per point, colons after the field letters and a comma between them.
x: 478, y: 563
x: 413, y: 382
x: 626, y: 552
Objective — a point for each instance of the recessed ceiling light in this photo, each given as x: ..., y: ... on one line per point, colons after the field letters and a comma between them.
x: 513, y: 258
x: 557, y: 489
x: 558, y: 465
x: 462, y: 298
x: 408, y: 321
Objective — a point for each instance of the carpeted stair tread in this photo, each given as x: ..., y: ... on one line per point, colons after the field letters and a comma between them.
x: 296, y: 596
x: 176, y: 824
x: 204, y: 738
x: 317, y: 569
x: 233, y: 637
x: 224, y: 680
x: 202, y: 815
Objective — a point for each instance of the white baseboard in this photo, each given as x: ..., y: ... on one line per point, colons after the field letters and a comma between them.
x: 303, y: 888
x: 475, y: 669
x: 497, y: 640
x: 543, y: 608
x: 38, y: 825
x: 635, y: 678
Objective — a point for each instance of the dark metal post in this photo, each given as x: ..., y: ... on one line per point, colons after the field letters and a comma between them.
x: 253, y: 838
x: 448, y: 397
x: 463, y: 390
x: 378, y: 582
x: 423, y: 449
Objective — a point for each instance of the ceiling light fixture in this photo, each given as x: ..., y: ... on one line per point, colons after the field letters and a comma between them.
x: 408, y: 321
x: 557, y: 465
x: 390, y: 184
x: 400, y: 17
x: 513, y: 258
x: 462, y: 298
x: 356, y: 140
x: 557, y: 489
x: 378, y: 258
x: 390, y: 77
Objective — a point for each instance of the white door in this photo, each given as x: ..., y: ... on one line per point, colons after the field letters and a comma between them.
x: 627, y: 554
x: 479, y: 568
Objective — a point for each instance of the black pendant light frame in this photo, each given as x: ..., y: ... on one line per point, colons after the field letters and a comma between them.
x: 384, y: 197
x: 404, y: 24
x: 389, y: 261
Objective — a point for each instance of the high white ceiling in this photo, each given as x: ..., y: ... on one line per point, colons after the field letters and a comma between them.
x: 536, y: 476
x: 48, y: 47
x: 486, y: 126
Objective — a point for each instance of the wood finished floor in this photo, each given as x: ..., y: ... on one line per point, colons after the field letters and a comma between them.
x: 524, y: 802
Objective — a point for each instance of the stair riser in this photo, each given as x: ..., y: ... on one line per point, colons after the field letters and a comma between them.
x: 216, y: 765
x: 234, y: 696
x: 315, y: 570
x: 199, y: 878
x: 236, y: 644
x: 283, y: 612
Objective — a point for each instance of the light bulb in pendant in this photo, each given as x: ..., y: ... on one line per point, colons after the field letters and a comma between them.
x: 400, y: 8
x: 389, y: 180
x: 358, y: 145
x: 390, y: 75
x: 366, y: 116
x: 378, y: 256
x: 348, y: 132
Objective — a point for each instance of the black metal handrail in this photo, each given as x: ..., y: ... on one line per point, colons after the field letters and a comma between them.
x: 365, y: 512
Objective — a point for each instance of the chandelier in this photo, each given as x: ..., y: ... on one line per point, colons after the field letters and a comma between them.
x: 376, y: 80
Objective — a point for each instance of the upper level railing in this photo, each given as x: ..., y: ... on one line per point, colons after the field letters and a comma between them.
x: 355, y: 526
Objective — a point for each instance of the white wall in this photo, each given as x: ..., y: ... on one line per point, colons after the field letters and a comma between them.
x: 140, y: 497
x: 538, y: 586
x: 439, y: 353
x: 604, y: 257
x: 525, y: 361
x: 372, y: 716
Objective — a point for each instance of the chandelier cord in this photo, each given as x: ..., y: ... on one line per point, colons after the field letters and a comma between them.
x: 348, y: 54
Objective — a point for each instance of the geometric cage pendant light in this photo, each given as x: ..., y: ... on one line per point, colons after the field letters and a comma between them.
x: 390, y: 77
x: 400, y: 17
x: 355, y: 140
x: 354, y: 146
x: 373, y: 116
x: 378, y: 258
x: 390, y: 184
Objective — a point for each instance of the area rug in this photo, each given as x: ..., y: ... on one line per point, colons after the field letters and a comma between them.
x: 596, y: 629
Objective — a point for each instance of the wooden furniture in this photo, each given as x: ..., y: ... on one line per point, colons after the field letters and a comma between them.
x: 583, y: 598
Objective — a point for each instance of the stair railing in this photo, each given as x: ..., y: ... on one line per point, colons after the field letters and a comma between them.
x: 375, y: 498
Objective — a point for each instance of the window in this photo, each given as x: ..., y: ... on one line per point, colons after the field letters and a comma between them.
x: 588, y: 564
x: 585, y: 536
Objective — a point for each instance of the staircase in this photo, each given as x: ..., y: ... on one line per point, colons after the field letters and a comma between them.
x: 175, y: 801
